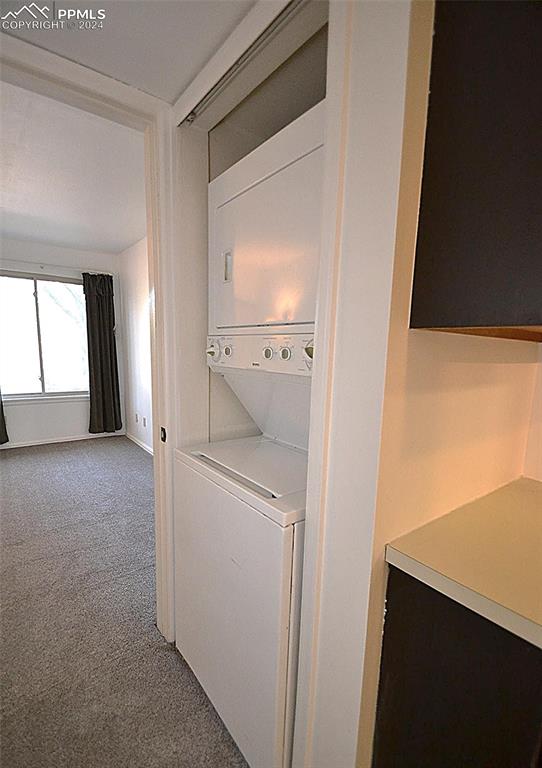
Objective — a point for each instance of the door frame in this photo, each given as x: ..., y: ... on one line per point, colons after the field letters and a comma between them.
x: 366, y: 85
x: 40, y: 71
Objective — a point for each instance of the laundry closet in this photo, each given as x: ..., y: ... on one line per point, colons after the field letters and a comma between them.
x: 250, y: 211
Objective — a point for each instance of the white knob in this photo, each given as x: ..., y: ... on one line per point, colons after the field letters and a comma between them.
x: 309, y: 350
x: 268, y: 353
x: 285, y: 353
x: 213, y: 350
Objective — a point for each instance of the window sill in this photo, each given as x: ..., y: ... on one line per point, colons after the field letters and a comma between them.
x: 42, y: 399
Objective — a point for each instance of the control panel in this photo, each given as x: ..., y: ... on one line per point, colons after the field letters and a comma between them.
x: 277, y: 354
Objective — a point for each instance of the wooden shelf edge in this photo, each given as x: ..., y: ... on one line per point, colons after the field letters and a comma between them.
x: 484, y: 606
x: 471, y: 555
x: 516, y: 332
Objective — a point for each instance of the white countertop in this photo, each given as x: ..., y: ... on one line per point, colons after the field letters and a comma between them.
x: 486, y: 555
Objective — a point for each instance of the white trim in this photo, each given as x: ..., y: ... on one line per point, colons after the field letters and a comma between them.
x: 42, y: 271
x: 140, y: 443
x: 160, y: 166
x: 69, y: 439
x: 246, y: 32
x: 519, y: 625
x: 367, y: 58
x: 39, y: 399
x: 43, y: 72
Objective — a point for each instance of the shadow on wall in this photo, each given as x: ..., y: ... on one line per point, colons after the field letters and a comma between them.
x: 133, y: 269
x: 463, y: 393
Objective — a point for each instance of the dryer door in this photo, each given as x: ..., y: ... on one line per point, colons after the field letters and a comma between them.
x: 265, y: 221
x: 266, y: 249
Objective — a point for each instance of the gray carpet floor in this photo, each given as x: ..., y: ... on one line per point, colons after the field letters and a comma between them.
x: 87, y: 679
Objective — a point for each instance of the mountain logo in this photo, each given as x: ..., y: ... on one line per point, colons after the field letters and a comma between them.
x: 33, y: 9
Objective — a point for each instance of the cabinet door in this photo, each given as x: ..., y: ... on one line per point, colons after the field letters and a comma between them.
x: 455, y: 690
x: 479, y: 247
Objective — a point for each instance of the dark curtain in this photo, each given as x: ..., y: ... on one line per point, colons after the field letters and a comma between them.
x: 102, y: 354
x: 3, y: 431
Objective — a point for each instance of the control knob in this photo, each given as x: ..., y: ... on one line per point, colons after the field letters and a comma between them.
x: 213, y: 350
x: 285, y: 353
x: 308, y: 350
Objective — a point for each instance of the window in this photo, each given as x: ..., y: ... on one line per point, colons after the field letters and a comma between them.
x: 43, y: 338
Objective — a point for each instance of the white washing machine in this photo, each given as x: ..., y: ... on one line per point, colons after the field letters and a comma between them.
x: 240, y: 504
x: 240, y: 548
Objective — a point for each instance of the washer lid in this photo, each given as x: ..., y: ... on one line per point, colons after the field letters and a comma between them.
x: 270, y: 468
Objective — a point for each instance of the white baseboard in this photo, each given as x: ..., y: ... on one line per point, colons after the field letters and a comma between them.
x: 51, y: 440
x: 141, y: 444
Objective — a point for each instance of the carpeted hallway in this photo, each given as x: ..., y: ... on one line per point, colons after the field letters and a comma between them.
x: 87, y: 680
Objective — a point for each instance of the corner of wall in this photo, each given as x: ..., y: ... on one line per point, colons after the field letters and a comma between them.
x: 135, y: 342
x: 533, y: 451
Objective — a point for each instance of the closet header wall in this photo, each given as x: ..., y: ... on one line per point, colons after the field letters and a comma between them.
x: 293, y: 88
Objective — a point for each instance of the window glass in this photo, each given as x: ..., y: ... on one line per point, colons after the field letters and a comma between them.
x: 63, y: 336
x: 19, y: 351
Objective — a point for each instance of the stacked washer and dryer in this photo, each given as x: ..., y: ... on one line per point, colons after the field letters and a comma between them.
x: 240, y: 520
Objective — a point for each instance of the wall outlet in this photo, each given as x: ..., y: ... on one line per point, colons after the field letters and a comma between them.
x: 144, y: 421
x: 137, y: 418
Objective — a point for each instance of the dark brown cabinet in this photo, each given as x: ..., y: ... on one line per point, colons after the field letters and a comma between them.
x: 479, y: 248
x: 456, y: 690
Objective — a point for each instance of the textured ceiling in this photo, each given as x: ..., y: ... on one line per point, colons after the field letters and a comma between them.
x: 68, y: 177
x: 158, y: 46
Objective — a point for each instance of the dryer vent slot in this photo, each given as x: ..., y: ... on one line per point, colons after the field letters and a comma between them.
x: 240, y: 479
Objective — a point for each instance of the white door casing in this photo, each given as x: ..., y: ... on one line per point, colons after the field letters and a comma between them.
x: 367, y: 57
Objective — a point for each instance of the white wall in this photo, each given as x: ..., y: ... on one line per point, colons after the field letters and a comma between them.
x: 207, y: 408
x: 135, y: 320
x: 47, y: 255
x: 50, y: 419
